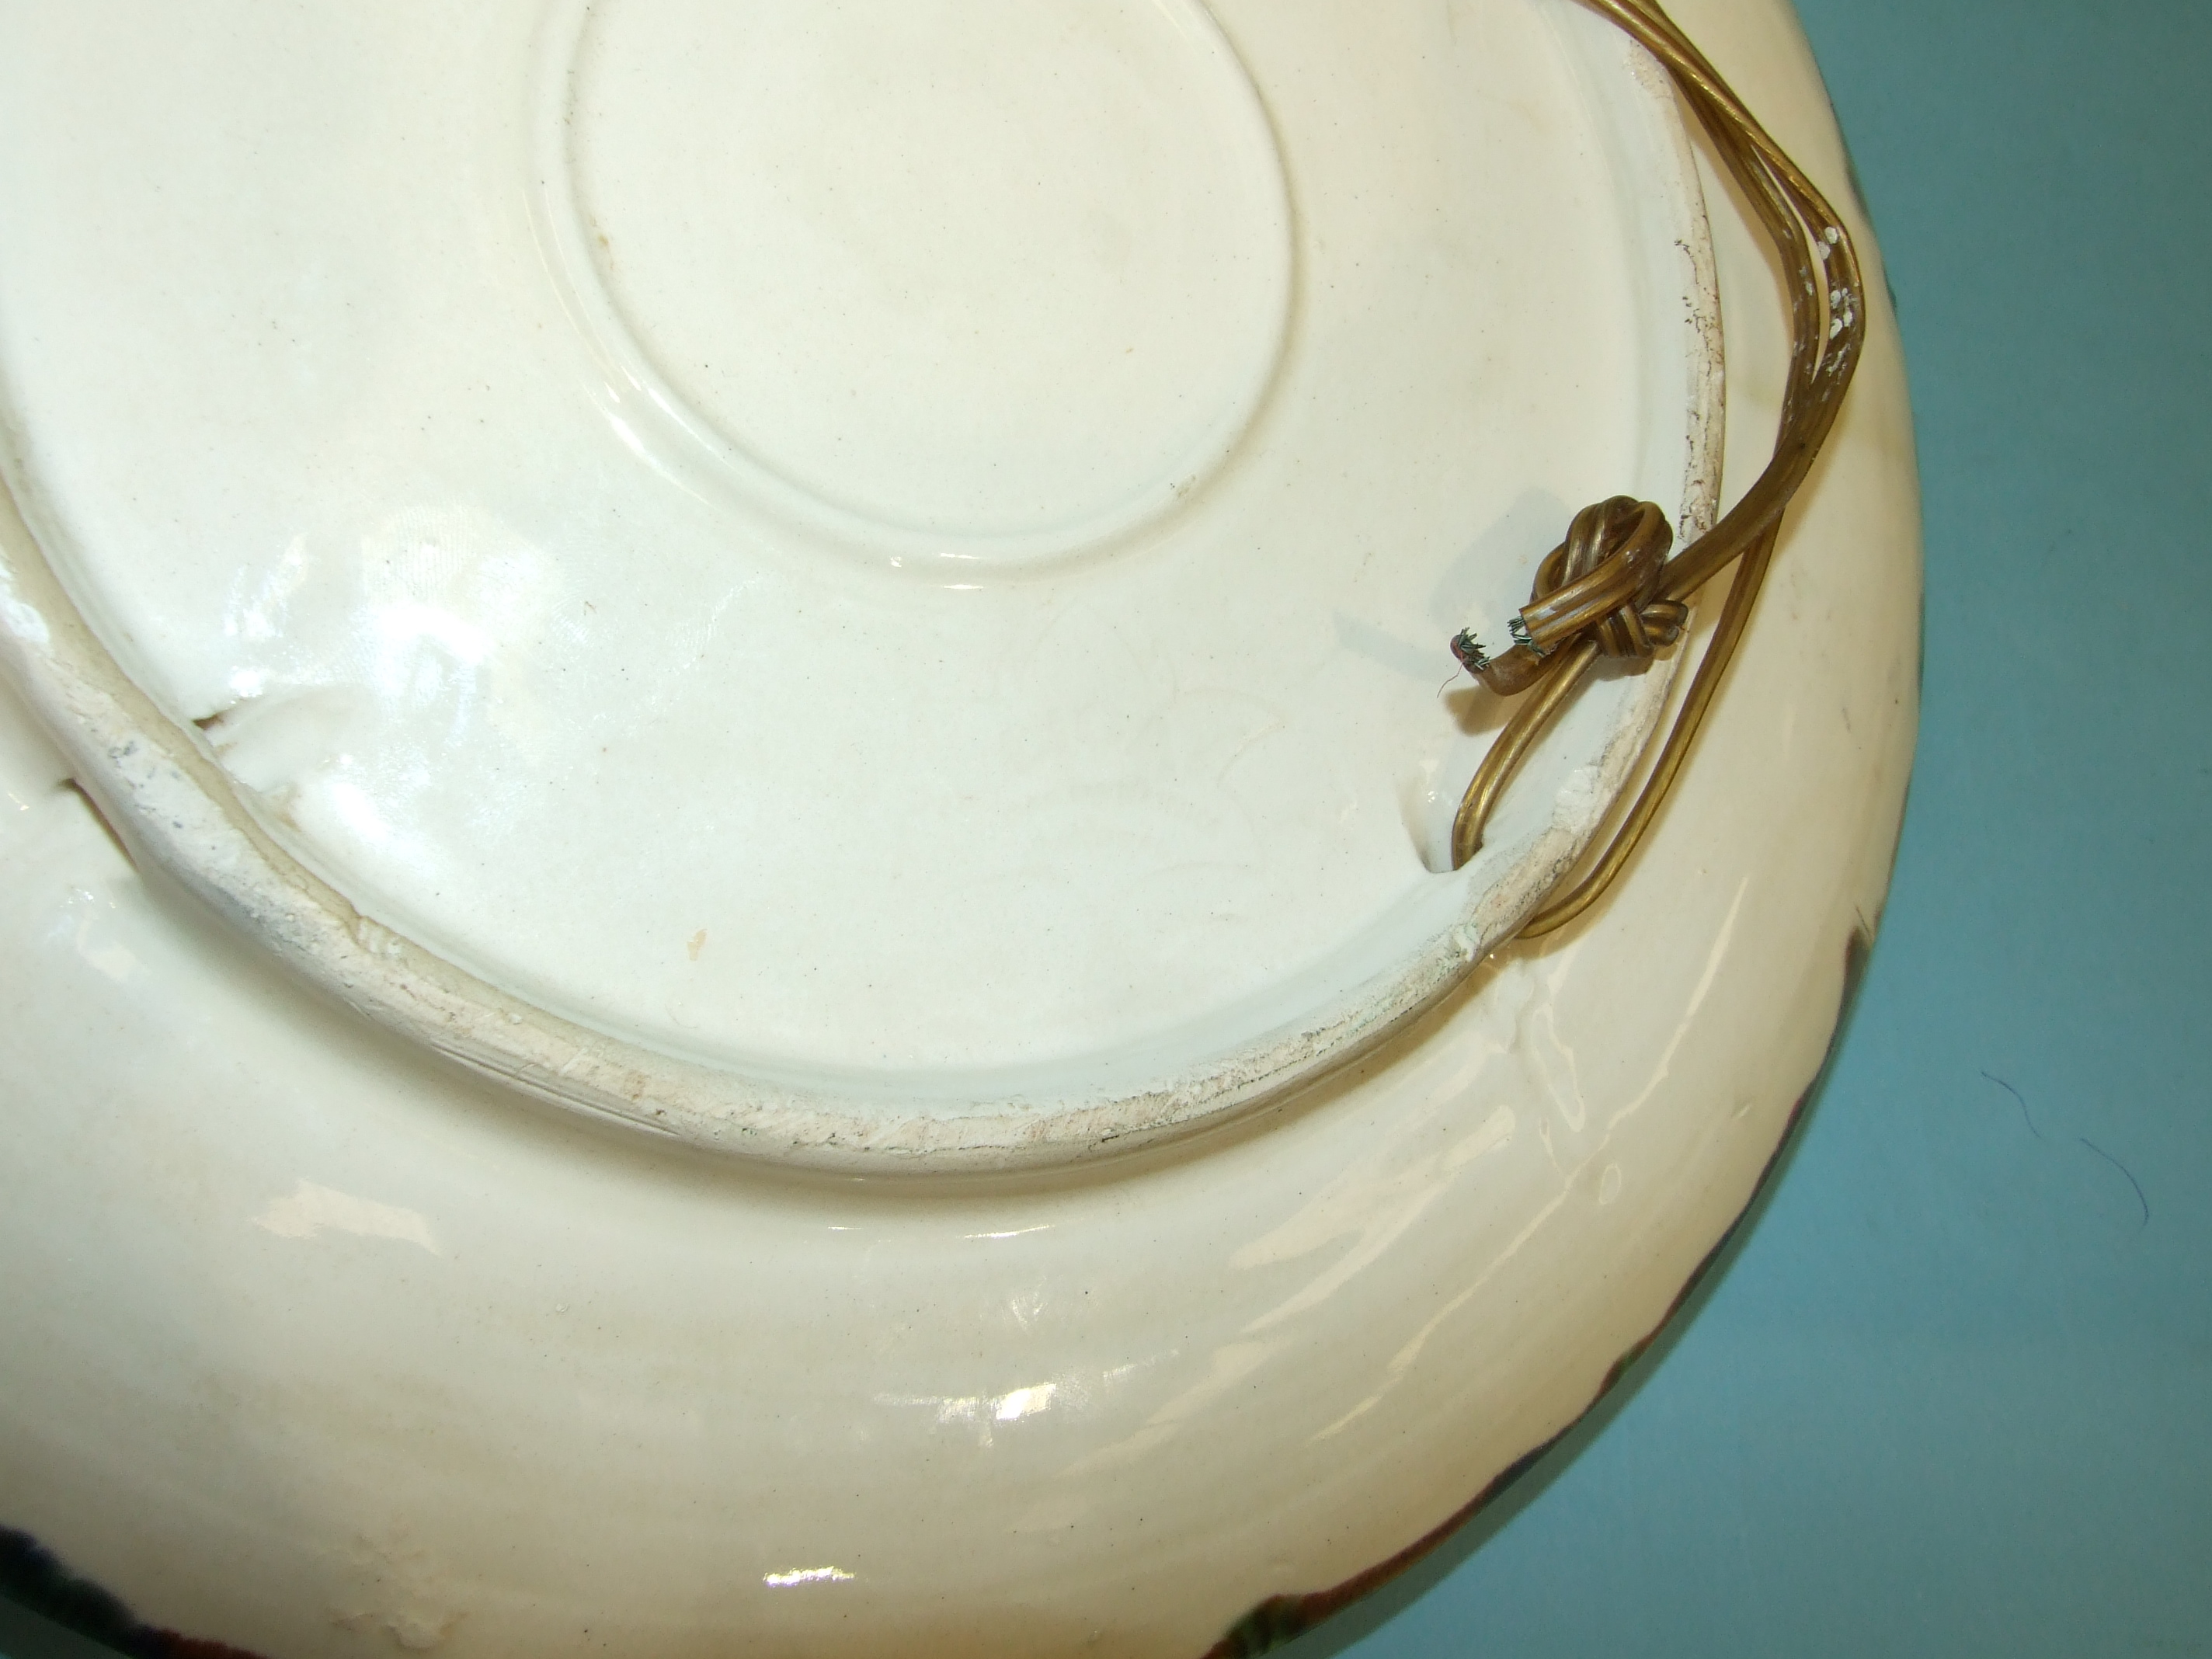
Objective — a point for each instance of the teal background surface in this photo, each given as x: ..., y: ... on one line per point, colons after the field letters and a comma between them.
x: 1951, y: 1393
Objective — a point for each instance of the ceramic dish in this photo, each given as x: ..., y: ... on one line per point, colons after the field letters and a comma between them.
x: 773, y: 968
x: 883, y: 617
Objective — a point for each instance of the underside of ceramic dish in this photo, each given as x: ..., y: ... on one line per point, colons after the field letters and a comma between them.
x: 865, y: 586
x: 888, y: 640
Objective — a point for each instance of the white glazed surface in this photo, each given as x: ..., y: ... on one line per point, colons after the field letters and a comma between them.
x: 321, y: 1347
x: 808, y: 794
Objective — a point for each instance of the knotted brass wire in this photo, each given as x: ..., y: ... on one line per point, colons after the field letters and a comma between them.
x: 1610, y: 589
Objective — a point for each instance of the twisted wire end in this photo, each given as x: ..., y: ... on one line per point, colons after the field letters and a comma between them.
x: 1602, y: 582
x: 1596, y: 595
x: 1611, y: 589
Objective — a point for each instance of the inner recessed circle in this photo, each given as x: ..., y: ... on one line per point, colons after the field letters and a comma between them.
x: 1009, y: 272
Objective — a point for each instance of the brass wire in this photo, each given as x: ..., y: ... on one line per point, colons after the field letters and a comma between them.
x: 1555, y: 651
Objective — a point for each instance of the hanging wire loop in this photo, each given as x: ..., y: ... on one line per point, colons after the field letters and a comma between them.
x: 1611, y: 589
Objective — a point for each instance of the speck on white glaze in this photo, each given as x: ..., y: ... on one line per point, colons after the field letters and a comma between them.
x: 318, y: 1346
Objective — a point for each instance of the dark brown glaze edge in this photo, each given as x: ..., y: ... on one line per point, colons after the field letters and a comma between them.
x: 34, y: 1580
x: 1281, y: 1619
